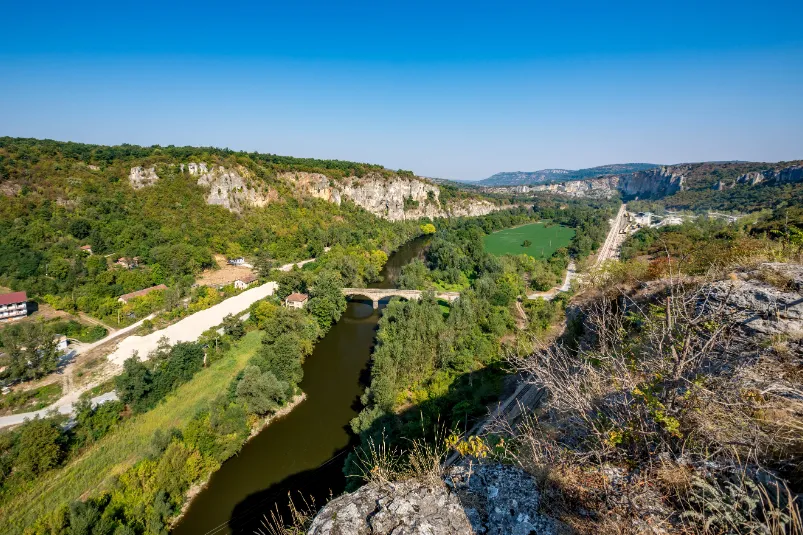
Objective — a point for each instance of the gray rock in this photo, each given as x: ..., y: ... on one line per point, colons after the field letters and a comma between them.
x: 139, y: 177
x: 767, y: 300
x: 406, y: 508
x: 386, y: 196
x: 230, y: 188
x: 488, y: 499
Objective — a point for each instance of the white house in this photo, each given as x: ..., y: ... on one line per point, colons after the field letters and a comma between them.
x: 13, y: 306
x: 244, y: 282
x: 296, y: 300
x: 239, y: 261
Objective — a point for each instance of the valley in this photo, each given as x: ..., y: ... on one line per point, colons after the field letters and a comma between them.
x: 272, y: 320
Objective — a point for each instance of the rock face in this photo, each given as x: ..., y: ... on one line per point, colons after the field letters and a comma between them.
x: 230, y: 188
x: 489, y: 499
x: 785, y: 175
x: 139, y: 177
x: 657, y: 182
x: 395, y: 198
x: 766, y: 301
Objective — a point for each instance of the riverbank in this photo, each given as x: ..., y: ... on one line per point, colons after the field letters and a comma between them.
x: 303, y: 452
x: 96, y: 468
x: 255, y: 430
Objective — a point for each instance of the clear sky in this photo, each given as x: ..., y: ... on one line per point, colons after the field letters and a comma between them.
x: 453, y: 90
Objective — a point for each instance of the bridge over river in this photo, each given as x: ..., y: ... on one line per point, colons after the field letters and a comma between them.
x: 377, y: 294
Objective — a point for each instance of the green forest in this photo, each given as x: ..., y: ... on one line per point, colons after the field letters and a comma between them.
x: 56, y: 197
x: 433, y: 367
x: 269, y: 351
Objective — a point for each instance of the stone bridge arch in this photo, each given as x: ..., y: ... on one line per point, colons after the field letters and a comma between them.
x: 378, y: 294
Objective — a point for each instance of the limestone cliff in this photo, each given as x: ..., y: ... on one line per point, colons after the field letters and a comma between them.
x: 139, y: 177
x: 394, y: 198
x: 784, y: 175
x: 233, y: 189
x: 657, y: 182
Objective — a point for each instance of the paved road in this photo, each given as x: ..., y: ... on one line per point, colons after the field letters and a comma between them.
x: 610, y: 249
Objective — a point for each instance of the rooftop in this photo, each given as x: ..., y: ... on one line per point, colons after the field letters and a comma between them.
x: 140, y: 293
x: 297, y: 297
x: 13, y: 298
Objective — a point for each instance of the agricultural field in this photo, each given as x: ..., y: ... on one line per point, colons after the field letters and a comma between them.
x: 535, y: 239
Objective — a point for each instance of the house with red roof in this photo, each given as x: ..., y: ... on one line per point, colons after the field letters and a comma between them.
x: 125, y: 298
x: 13, y: 306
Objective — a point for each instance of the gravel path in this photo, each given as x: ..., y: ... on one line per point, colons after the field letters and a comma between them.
x: 186, y: 330
x: 191, y: 327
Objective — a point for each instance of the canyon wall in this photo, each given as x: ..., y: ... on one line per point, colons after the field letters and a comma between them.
x: 394, y: 198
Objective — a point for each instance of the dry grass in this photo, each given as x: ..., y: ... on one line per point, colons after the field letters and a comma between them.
x: 663, y: 399
x: 224, y: 274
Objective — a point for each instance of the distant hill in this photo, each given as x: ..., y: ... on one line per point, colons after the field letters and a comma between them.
x: 518, y: 178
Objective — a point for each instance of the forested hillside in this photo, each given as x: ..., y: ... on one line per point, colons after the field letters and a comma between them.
x: 56, y: 197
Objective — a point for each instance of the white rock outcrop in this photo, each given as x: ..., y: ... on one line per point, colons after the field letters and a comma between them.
x: 139, y: 177
x: 230, y: 188
x: 394, y: 198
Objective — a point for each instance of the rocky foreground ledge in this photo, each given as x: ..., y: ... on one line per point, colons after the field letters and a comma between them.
x: 489, y: 499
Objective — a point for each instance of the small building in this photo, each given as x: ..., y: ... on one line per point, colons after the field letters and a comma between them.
x: 239, y: 261
x: 643, y: 219
x: 244, y: 282
x: 61, y: 342
x: 296, y: 300
x: 139, y: 293
x: 13, y: 306
x: 87, y: 249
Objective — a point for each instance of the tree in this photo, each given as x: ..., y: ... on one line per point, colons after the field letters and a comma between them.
x: 414, y: 275
x: 40, y: 446
x: 327, y: 302
x: 526, y: 243
x: 135, y: 383
x: 233, y: 327
x: 428, y: 228
x: 283, y: 358
x: 260, y: 391
x: 32, y: 350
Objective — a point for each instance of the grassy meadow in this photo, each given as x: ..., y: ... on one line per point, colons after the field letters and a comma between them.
x: 97, y: 466
x: 543, y: 240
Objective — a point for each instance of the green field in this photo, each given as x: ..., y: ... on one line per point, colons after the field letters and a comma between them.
x: 544, y: 240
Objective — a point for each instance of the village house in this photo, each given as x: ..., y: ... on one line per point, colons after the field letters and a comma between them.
x: 239, y: 261
x: 296, y: 300
x: 13, y: 306
x: 139, y: 293
x: 244, y: 282
x: 86, y: 248
x: 61, y: 342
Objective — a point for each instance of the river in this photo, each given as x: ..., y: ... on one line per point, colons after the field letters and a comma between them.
x: 302, y: 453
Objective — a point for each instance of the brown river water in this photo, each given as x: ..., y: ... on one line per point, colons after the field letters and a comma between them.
x: 302, y: 453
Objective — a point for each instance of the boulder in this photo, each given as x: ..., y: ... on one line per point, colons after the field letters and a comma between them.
x: 487, y: 499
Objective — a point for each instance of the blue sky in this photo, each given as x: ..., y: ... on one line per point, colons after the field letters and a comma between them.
x: 453, y: 90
